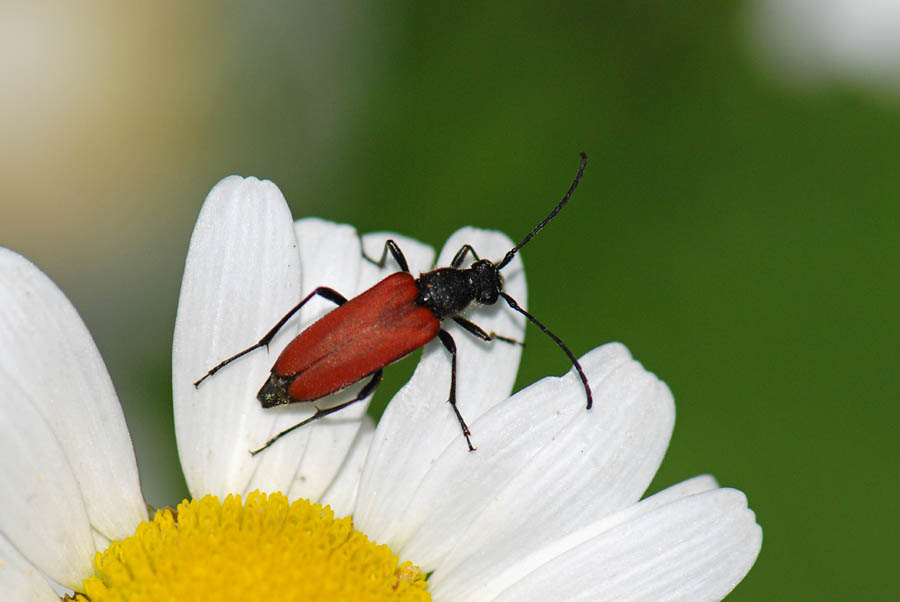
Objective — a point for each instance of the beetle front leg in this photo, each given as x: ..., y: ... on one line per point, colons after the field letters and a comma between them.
x: 450, y: 345
x: 461, y: 255
x: 323, y: 291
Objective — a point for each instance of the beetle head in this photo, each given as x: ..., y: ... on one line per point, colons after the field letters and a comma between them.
x: 486, y: 282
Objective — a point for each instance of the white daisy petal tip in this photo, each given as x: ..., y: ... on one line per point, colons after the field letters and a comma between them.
x: 613, y: 375
x: 685, y: 543
x: 235, y: 186
x: 715, y: 542
x: 244, y: 242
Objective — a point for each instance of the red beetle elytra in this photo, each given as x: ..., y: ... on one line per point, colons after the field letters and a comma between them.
x: 390, y: 320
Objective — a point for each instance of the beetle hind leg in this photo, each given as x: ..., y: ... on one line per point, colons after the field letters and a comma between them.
x: 365, y: 392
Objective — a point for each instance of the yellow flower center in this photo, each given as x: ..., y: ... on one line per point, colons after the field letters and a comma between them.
x: 264, y: 550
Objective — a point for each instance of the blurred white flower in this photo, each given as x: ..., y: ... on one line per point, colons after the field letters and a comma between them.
x: 814, y: 43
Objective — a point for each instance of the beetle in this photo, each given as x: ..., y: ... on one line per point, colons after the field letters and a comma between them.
x: 395, y: 317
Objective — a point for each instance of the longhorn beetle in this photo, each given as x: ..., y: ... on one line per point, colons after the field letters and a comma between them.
x: 395, y: 317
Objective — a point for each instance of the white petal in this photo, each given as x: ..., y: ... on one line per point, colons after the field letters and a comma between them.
x: 695, y: 548
x: 47, y: 351
x: 418, y: 425
x: 546, y: 467
x: 42, y: 512
x: 475, y: 579
x: 341, y: 494
x: 19, y: 580
x: 241, y: 276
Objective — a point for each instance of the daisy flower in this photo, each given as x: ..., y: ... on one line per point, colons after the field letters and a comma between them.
x: 548, y: 508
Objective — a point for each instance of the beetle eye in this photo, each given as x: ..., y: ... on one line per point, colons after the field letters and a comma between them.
x: 489, y: 296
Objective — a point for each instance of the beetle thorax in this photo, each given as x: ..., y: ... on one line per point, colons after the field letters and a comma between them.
x: 449, y: 291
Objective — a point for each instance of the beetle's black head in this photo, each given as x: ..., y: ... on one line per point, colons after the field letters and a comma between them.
x: 486, y: 282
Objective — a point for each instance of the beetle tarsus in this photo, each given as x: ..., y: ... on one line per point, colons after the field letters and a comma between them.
x: 476, y: 330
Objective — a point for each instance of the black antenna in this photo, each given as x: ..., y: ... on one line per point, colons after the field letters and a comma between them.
x: 512, y: 252
x: 515, y: 306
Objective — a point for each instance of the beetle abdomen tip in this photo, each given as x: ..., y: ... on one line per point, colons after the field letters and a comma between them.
x: 275, y: 391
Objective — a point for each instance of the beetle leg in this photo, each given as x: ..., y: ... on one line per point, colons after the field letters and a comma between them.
x: 476, y: 330
x: 461, y: 255
x: 512, y: 303
x: 389, y: 245
x: 448, y: 342
x: 323, y: 291
x: 366, y: 391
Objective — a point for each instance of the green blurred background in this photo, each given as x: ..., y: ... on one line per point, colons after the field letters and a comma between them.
x: 738, y: 234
